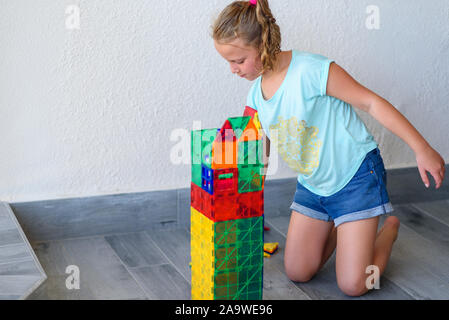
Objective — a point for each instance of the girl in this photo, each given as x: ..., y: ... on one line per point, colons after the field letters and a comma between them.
x: 304, y: 103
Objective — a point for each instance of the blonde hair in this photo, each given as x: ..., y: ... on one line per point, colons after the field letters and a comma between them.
x: 255, y: 25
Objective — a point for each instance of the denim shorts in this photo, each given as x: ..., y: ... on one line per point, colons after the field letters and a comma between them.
x: 364, y: 196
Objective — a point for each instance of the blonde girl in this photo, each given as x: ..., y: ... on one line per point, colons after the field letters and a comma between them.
x: 305, y: 105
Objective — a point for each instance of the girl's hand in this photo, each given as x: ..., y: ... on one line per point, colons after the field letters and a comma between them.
x: 430, y: 160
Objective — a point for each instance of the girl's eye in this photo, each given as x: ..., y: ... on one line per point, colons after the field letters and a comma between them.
x: 240, y: 62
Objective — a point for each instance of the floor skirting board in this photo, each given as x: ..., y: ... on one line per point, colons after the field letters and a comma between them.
x: 134, y: 212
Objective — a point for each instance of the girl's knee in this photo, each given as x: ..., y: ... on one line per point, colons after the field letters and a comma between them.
x: 299, y: 273
x: 299, y: 276
x: 352, y: 286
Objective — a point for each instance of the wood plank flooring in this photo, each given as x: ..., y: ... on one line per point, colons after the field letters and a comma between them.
x: 154, y: 264
x: 20, y: 271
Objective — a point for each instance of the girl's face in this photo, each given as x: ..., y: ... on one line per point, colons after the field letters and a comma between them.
x: 243, y: 60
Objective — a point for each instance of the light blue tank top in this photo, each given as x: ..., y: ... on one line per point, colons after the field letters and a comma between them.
x: 319, y: 136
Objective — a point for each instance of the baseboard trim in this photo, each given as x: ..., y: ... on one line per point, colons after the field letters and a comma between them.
x: 170, y: 209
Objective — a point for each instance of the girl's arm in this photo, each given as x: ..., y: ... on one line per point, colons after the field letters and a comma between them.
x: 266, y: 153
x: 342, y: 86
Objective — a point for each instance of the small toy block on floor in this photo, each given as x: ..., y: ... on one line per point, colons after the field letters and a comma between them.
x: 270, y: 247
x: 227, y: 210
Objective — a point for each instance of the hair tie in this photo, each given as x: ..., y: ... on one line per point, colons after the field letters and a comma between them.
x: 253, y: 2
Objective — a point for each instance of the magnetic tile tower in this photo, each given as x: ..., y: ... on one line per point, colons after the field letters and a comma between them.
x: 227, y: 206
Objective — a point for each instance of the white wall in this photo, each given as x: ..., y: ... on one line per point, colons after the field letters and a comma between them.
x: 91, y: 111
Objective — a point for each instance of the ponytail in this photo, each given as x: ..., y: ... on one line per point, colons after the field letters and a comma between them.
x: 255, y: 25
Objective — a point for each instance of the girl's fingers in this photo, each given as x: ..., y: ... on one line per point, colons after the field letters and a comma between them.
x: 424, y: 177
x: 438, y: 177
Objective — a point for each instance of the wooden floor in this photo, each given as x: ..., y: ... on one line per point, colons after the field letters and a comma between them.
x: 20, y: 270
x: 155, y: 264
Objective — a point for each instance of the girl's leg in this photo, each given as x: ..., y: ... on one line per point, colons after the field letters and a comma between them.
x: 329, y: 248
x: 359, y: 246
x: 305, y: 246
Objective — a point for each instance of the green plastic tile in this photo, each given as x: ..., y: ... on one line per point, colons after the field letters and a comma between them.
x: 201, y: 146
x: 238, y: 243
x: 242, y: 254
x: 234, y: 231
x: 250, y: 178
x: 238, y: 125
x: 196, y: 174
x: 250, y: 152
x: 242, y: 284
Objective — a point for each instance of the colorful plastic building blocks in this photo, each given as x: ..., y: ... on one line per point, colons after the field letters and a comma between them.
x: 270, y: 247
x: 227, y: 207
